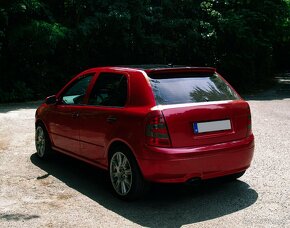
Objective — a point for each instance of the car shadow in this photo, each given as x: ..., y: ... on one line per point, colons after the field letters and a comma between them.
x: 164, y: 206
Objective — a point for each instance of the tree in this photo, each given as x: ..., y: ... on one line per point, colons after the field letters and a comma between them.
x: 45, y: 42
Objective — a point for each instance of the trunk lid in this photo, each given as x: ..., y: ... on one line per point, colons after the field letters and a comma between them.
x: 182, y: 120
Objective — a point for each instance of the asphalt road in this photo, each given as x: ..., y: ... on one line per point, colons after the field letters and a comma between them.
x: 66, y: 193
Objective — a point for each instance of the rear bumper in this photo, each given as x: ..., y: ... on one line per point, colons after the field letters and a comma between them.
x: 175, y: 165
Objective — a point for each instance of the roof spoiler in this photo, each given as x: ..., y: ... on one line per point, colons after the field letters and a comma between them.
x: 181, y: 69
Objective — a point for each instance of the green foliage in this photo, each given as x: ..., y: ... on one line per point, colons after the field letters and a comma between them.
x: 45, y: 42
x: 19, y: 92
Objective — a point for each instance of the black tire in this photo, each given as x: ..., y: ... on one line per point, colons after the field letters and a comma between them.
x: 135, y: 185
x: 42, y: 142
x: 235, y: 176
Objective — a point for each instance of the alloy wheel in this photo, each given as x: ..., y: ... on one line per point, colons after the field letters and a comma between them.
x: 40, y: 141
x: 121, y: 173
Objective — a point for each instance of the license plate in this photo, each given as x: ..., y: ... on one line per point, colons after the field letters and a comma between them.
x: 220, y: 125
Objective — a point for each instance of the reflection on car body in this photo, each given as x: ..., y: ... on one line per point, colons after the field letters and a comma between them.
x: 149, y: 124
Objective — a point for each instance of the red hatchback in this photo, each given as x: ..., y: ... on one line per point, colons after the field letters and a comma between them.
x: 149, y: 124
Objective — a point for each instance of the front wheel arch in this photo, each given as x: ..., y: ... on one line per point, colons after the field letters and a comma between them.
x: 47, y: 144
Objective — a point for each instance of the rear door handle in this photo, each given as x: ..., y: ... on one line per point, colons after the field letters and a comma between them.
x: 111, y: 119
x: 75, y: 115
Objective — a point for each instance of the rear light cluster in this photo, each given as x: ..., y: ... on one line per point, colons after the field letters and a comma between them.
x: 156, y: 131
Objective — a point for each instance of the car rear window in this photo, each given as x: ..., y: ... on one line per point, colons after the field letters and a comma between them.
x: 190, y: 88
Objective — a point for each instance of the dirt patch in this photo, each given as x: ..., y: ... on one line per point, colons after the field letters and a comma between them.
x: 64, y: 196
x: 4, y: 137
x: 3, y: 144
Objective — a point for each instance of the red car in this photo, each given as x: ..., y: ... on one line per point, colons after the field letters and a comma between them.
x: 149, y: 124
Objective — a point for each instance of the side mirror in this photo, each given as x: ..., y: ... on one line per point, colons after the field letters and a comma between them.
x: 51, y: 100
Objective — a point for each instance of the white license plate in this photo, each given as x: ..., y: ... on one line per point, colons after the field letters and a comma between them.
x: 220, y: 125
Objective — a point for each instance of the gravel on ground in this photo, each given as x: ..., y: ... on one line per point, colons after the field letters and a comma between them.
x: 63, y: 192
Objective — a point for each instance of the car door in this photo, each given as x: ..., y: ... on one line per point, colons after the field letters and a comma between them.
x: 64, y: 122
x: 102, y: 114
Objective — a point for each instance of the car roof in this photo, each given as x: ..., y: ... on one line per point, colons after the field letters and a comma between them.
x: 159, y: 68
x: 155, y: 68
x: 151, y: 66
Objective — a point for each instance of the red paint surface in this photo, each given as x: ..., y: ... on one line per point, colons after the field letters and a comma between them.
x: 83, y: 131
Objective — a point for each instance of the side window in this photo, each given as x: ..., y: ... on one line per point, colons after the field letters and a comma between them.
x: 110, y: 90
x: 76, y: 92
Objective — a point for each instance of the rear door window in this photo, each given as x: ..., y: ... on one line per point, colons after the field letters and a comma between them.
x: 190, y: 88
x: 110, y: 89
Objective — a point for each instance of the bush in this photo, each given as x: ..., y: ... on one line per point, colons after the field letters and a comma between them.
x: 20, y: 92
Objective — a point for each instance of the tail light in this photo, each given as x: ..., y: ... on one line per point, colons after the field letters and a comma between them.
x: 156, y: 131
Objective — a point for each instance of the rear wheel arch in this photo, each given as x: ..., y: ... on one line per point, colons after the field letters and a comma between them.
x: 138, y: 185
x: 118, y: 144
